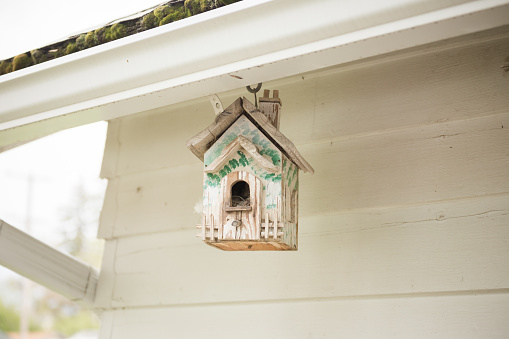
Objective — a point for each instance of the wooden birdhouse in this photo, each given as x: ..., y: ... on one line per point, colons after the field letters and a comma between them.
x: 250, y: 179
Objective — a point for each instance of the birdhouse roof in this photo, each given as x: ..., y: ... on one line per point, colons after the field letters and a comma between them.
x: 201, y: 142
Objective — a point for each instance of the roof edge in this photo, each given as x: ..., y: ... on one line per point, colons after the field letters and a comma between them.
x: 181, y: 62
x: 165, y: 13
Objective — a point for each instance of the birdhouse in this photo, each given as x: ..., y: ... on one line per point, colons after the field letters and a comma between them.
x: 250, y: 179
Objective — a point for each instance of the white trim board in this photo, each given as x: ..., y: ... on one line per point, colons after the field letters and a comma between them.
x: 252, y: 40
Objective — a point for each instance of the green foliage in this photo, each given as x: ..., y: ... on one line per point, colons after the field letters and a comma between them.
x: 90, y: 39
x: 21, y: 61
x: 71, y: 324
x: 207, y: 5
x: 193, y: 6
x: 101, y: 35
x: 81, y: 42
x: 150, y: 21
x: 9, y: 318
x: 61, y: 51
x: 200, y: 6
x: 5, y: 67
x: 162, y: 11
x: 175, y: 13
x: 38, y: 56
x: 71, y: 48
x: 116, y: 31
x: 166, y: 20
x: 160, y: 16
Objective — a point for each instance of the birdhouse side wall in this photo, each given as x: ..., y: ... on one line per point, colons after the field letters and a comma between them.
x: 290, y: 201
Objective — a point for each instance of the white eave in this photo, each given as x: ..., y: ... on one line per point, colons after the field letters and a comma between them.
x: 237, y: 45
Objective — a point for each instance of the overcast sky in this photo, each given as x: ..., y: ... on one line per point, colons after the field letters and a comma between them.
x: 61, y: 162
x: 30, y: 24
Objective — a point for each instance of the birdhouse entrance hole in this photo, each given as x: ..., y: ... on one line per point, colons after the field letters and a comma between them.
x: 240, y: 194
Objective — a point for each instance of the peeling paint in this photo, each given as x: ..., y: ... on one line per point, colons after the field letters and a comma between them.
x: 246, y: 128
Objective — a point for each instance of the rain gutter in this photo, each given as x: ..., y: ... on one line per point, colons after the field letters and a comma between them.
x: 224, y: 49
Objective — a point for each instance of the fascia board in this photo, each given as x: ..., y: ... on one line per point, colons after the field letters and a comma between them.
x: 255, y: 41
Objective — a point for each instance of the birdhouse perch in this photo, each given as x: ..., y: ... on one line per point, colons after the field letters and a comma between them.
x: 250, y: 178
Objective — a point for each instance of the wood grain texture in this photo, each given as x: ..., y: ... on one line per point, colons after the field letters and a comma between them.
x: 283, y: 142
x: 250, y: 220
x: 371, y: 98
x: 419, y: 165
x: 449, y: 246
x: 200, y: 143
x: 448, y: 316
x: 152, y: 202
x: 271, y: 107
x: 430, y: 163
x: 241, y: 143
x: 404, y: 228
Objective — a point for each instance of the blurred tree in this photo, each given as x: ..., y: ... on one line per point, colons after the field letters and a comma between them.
x: 51, y: 311
x: 79, y: 219
x: 68, y: 325
x: 9, y: 318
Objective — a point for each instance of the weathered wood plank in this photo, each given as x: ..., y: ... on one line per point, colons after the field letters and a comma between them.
x: 448, y: 246
x: 459, y: 316
x: 432, y: 163
x: 419, y: 165
x: 339, y: 105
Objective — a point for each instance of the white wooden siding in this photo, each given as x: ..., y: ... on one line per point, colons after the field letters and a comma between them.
x: 427, y: 316
x: 403, y: 229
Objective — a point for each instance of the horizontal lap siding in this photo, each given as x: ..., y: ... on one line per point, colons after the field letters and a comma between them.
x: 444, y: 161
x: 455, y: 246
x: 403, y: 229
x: 449, y: 316
x: 433, y: 163
x: 409, y: 93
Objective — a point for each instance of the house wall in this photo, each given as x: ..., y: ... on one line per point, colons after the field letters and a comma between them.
x: 403, y: 228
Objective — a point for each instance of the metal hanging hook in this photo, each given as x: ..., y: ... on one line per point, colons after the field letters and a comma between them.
x: 256, y: 90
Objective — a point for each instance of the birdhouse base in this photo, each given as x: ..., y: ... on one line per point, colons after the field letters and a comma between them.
x: 247, y: 245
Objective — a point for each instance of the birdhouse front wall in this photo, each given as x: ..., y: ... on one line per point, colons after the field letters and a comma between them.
x: 244, y: 156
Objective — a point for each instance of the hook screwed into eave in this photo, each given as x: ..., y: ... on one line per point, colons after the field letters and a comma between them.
x: 256, y: 90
